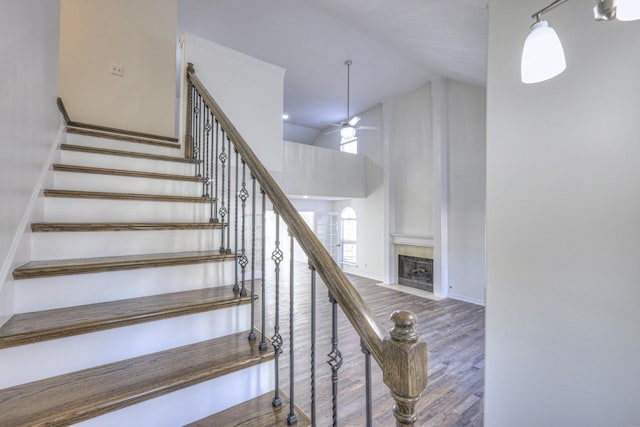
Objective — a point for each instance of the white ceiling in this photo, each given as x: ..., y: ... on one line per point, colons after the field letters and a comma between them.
x: 395, y: 46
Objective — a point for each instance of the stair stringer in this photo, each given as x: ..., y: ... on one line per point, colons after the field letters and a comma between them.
x: 19, y: 251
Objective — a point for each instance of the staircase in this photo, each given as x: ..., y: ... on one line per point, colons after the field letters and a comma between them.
x: 126, y: 314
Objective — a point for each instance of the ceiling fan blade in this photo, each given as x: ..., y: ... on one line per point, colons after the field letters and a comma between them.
x: 331, y: 131
x: 354, y: 120
x: 367, y: 127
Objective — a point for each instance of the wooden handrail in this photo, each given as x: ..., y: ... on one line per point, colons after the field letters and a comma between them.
x: 357, y: 311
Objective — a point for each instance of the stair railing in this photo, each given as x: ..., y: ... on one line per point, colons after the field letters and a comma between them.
x: 402, y: 355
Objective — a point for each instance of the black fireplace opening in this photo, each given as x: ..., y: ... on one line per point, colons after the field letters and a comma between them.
x: 415, y: 272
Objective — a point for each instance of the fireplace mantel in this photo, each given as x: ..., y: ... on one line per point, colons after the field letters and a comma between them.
x: 412, y: 240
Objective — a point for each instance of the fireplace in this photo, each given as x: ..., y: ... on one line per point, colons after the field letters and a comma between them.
x: 415, y: 272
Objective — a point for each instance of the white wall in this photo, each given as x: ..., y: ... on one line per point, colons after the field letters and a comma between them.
x: 563, y: 234
x: 29, y: 118
x: 411, y: 159
x: 249, y: 91
x: 466, y: 198
x: 140, y: 35
x: 316, y: 171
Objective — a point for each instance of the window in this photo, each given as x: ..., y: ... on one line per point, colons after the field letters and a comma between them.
x: 349, y: 145
x: 349, y: 235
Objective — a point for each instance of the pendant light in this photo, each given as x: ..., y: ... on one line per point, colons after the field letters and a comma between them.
x: 542, y: 55
x: 628, y: 10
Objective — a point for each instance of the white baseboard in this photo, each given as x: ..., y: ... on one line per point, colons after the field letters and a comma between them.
x: 464, y: 298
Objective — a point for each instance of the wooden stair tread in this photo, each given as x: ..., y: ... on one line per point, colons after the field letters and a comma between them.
x: 124, y: 153
x: 44, y: 227
x: 122, y: 172
x: 128, y: 262
x: 256, y: 412
x: 77, y: 396
x: 123, y: 136
x: 78, y: 194
x: 45, y: 325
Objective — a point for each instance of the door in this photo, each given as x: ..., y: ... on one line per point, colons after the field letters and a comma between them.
x: 328, y: 232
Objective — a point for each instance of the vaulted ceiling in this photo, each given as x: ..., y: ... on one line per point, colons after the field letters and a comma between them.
x: 395, y: 45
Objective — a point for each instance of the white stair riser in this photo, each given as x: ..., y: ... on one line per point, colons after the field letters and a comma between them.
x: 193, y: 403
x: 63, y: 245
x: 77, y: 289
x: 62, y: 209
x: 114, y: 144
x: 126, y: 163
x: 32, y: 362
x: 114, y: 183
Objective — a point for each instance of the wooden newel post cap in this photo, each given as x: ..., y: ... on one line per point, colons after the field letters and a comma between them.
x: 403, y: 322
x: 405, y: 366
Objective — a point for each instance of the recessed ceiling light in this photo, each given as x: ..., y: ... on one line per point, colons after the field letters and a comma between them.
x: 285, y: 117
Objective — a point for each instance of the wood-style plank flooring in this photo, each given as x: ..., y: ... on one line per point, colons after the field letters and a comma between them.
x: 453, y: 330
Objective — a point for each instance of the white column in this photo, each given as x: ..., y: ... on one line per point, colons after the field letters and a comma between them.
x: 388, y: 113
x: 439, y: 94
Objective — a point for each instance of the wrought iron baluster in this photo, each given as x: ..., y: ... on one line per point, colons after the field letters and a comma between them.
x: 191, y: 120
x: 205, y: 165
x: 291, y: 418
x: 313, y: 345
x: 214, y: 174
x: 276, y: 340
x: 252, y: 333
x: 335, y: 358
x: 196, y: 133
x: 213, y: 179
x: 228, y: 250
x: 236, y: 286
x: 242, y: 260
x: 223, y: 209
x: 367, y: 374
x: 200, y: 135
x: 188, y: 138
x: 263, y: 343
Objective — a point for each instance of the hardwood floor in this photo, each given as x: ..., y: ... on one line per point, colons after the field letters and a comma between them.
x: 453, y: 330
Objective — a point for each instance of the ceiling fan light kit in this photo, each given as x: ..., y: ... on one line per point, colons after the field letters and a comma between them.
x: 543, y: 55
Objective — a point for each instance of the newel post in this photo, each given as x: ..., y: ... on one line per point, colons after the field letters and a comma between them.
x: 188, y: 137
x: 405, y: 366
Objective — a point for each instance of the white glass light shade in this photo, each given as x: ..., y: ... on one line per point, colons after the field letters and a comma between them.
x: 347, y: 131
x: 542, y: 55
x: 628, y: 10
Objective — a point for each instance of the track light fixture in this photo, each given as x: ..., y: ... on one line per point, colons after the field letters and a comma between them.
x: 542, y: 54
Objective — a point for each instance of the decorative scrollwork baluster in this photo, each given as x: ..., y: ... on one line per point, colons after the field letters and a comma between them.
x: 239, y: 259
x: 206, y: 179
x: 335, y: 358
x: 196, y: 140
x: 228, y: 250
x: 252, y: 333
x: 214, y: 172
x: 276, y: 340
x: 223, y: 209
x: 243, y: 260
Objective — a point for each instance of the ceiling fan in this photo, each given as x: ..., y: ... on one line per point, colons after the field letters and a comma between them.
x: 348, y: 128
